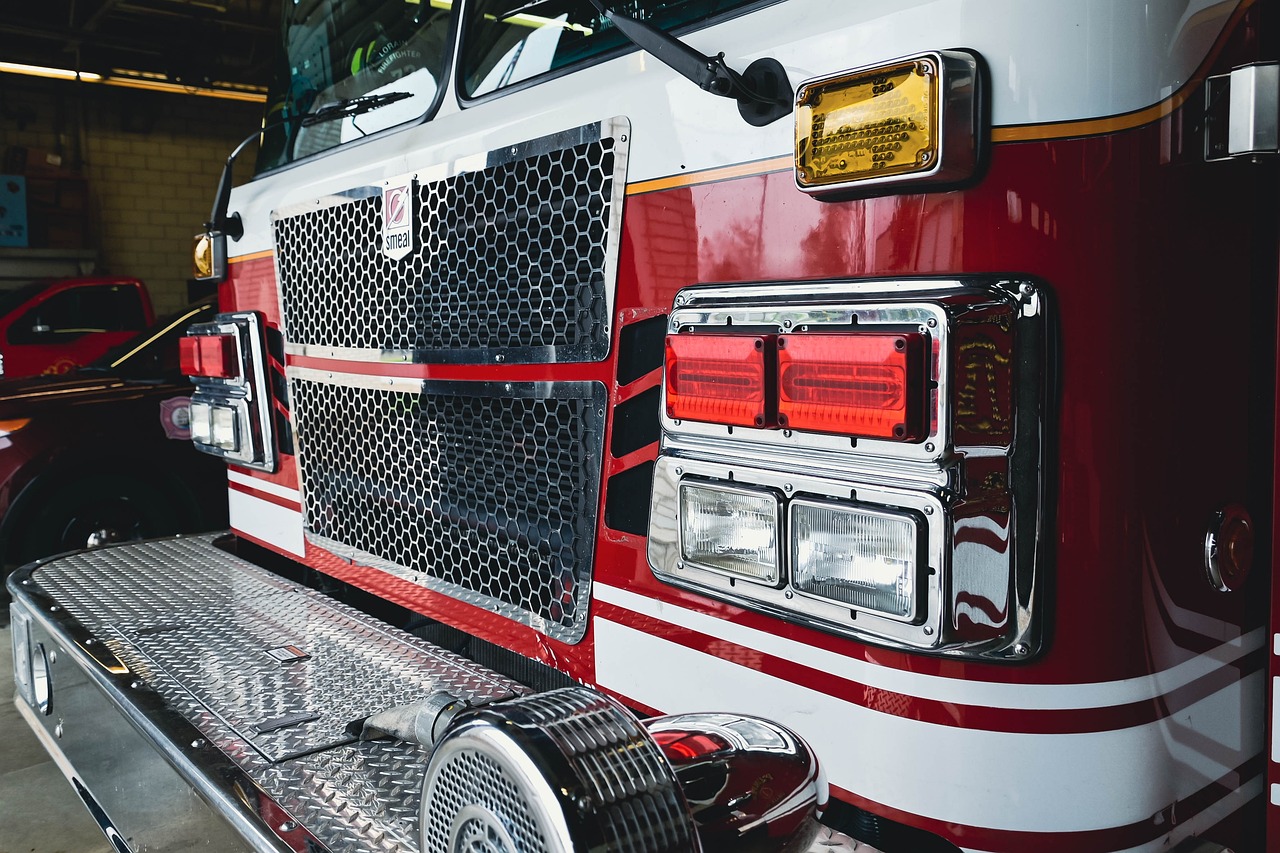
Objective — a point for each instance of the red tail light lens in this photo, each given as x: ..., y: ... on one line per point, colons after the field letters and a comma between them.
x: 689, y: 745
x: 871, y: 385
x: 722, y: 379
x: 212, y: 356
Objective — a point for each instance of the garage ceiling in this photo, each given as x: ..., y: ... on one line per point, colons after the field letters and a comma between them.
x: 193, y: 42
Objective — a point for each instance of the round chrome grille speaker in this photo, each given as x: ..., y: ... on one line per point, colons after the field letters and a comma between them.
x: 567, y: 770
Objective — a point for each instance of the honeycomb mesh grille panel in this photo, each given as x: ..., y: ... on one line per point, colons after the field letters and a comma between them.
x: 486, y: 492
x: 515, y: 259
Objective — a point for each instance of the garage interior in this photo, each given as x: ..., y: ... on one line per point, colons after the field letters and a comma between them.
x: 117, y: 116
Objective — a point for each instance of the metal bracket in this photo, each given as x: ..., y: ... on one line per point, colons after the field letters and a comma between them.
x: 1242, y: 112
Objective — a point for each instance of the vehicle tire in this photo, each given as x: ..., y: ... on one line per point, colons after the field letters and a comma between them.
x: 115, y: 507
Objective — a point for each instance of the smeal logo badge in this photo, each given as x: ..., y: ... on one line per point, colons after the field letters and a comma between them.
x: 397, y: 220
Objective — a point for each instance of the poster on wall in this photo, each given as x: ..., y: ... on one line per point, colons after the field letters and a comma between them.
x: 13, y: 210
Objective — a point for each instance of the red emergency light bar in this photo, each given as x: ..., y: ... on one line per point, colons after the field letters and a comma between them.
x: 862, y: 384
x: 211, y: 356
x: 722, y: 379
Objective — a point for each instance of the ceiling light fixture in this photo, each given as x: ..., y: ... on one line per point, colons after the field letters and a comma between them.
x: 53, y: 73
x: 141, y: 80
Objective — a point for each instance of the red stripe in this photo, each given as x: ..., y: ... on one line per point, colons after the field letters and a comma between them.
x: 287, y: 476
x: 1014, y: 720
x: 266, y: 496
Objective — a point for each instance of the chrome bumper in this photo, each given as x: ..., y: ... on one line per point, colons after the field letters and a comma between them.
x: 194, y: 700
x: 167, y: 687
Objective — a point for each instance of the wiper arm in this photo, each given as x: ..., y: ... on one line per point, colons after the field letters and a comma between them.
x: 344, y: 108
x: 351, y: 107
x: 763, y: 91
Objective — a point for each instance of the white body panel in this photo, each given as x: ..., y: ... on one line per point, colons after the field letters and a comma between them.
x: 1038, y: 56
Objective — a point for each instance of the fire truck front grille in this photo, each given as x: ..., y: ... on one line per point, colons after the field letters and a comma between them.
x: 486, y: 492
x: 514, y: 260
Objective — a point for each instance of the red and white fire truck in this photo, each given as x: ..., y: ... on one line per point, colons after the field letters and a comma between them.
x: 721, y: 425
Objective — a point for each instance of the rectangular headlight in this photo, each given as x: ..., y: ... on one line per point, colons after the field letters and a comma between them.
x: 858, y: 556
x: 201, y: 426
x: 215, y: 426
x: 223, y: 428
x: 730, y: 530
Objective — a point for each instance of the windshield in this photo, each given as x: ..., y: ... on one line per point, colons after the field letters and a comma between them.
x: 510, y: 41
x: 336, y: 50
x: 153, y: 354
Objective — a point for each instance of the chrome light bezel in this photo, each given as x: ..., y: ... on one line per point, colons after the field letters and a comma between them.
x: 977, y: 478
x: 248, y: 394
x: 786, y: 601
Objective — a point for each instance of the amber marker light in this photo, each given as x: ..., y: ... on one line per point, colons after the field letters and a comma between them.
x: 910, y: 120
x: 209, y: 257
x: 202, y: 257
x: 876, y: 123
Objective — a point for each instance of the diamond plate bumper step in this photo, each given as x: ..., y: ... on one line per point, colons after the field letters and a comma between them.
x: 182, y: 639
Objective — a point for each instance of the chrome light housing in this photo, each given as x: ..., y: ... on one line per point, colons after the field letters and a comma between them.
x: 231, y: 415
x: 930, y: 540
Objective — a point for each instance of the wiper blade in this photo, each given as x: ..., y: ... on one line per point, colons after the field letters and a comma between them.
x: 350, y: 107
x: 763, y: 91
x: 344, y: 108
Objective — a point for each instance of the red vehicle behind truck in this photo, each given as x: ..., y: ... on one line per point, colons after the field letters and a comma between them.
x: 718, y: 426
x: 56, y: 325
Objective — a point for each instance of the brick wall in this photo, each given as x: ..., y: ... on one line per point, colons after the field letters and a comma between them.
x: 151, y: 161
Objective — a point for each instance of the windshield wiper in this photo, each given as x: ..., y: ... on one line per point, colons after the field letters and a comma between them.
x: 763, y: 91
x: 352, y: 107
x: 344, y: 108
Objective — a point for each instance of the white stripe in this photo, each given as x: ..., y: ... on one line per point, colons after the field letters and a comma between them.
x: 269, y: 522
x: 1275, y: 795
x: 1004, y: 781
x: 1029, y: 697
x: 267, y: 486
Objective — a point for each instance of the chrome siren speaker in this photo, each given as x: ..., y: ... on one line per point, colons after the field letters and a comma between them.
x: 568, y: 770
x: 573, y: 770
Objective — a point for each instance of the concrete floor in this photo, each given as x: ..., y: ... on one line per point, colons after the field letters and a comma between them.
x: 39, y: 811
